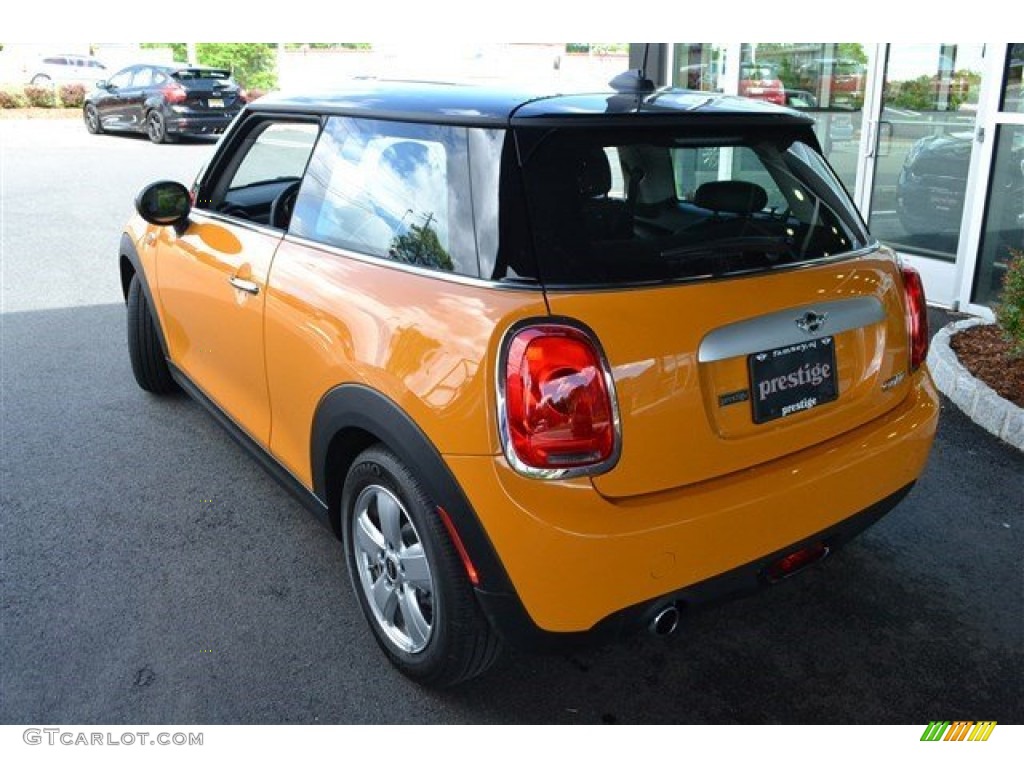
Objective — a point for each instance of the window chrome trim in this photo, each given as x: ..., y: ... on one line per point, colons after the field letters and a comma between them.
x: 504, y: 432
x: 780, y: 329
x: 253, y: 226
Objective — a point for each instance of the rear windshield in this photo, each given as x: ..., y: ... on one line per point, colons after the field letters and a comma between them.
x: 758, y: 72
x: 186, y: 75
x: 663, y: 206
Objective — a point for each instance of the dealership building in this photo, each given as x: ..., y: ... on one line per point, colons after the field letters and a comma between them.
x: 928, y: 138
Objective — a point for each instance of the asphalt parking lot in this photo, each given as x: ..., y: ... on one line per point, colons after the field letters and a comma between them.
x: 151, y: 572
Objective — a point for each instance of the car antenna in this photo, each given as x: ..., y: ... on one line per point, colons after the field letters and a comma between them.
x: 634, y: 80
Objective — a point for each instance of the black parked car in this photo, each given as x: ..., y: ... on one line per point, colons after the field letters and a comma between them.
x: 164, y: 102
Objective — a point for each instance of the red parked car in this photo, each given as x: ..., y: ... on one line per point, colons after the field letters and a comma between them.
x: 761, y: 81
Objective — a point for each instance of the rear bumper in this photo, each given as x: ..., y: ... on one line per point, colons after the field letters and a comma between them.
x: 508, y: 614
x: 198, y: 124
x: 583, y: 565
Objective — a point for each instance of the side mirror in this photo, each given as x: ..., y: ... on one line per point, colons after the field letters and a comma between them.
x: 102, y: 85
x: 164, y: 203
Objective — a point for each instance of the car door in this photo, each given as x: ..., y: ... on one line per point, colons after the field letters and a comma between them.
x: 133, y: 98
x: 109, y: 104
x: 212, y: 278
x: 79, y: 72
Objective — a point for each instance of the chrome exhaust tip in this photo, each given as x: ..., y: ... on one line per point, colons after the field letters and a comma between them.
x: 665, y: 621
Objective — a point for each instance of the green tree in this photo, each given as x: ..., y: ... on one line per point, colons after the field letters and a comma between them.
x: 421, y: 246
x: 254, y: 65
x: 851, y: 52
x: 1010, y: 309
x: 179, y: 50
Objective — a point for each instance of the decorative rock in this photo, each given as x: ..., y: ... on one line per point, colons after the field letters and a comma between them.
x: 980, y: 402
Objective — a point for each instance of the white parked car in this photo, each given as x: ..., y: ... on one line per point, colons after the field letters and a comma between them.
x: 67, y: 68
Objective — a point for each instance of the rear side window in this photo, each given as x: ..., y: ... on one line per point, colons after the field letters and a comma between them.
x: 397, y: 191
x: 142, y: 78
x: 661, y: 205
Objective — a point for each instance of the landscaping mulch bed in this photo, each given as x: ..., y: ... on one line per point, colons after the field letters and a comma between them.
x: 986, y: 354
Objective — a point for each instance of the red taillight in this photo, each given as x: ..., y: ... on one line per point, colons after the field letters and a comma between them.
x: 174, y: 93
x: 559, y: 416
x: 917, y: 316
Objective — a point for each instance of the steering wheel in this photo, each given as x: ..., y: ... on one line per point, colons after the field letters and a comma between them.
x: 283, y: 205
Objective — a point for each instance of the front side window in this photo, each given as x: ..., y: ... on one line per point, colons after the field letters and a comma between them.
x: 397, y: 191
x: 260, y: 180
x: 680, y: 205
x: 122, y: 79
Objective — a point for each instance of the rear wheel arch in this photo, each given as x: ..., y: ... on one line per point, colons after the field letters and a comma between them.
x: 342, y: 452
x: 351, y: 418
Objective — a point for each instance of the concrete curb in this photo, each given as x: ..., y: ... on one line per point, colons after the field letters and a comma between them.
x: 979, y: 401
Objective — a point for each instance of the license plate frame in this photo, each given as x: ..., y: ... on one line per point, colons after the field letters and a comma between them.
x: 215, y: 103
x: 788, y: 380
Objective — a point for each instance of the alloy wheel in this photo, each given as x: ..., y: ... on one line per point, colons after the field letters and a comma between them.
x: 92, y: 119
x: 155, y: 127
x: 394, y: 573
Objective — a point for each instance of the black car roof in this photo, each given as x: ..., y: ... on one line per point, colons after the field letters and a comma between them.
x: 489, y: 105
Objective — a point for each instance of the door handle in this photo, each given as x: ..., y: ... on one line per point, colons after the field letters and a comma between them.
x: 244, y: 285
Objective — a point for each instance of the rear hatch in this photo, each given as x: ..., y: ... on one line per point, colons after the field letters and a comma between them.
x: 744, y: 311
x: 209, y: 90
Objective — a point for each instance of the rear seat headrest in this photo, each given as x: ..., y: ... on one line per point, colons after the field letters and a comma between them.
x: 731, y: 196
x: 594, y: 173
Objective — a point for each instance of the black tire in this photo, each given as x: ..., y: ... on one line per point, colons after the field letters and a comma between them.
x: 460, y: 643
x: 147, y: 356
x: 156, y: 128
x: 93, y: 124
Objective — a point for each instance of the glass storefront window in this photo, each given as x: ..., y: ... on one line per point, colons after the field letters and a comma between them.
x: 826, y: 80
x: 924, y: 143
x: 1003, y: 229
x: 698, y: 66
x: 1013, y: 88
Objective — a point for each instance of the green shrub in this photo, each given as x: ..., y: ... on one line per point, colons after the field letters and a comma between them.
x: 40, y: 96
x: 1010, y: 309
x: 11, y: 99
x: 72, y: 95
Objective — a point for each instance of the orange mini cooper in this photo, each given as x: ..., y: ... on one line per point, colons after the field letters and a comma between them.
x: 551, y: 367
